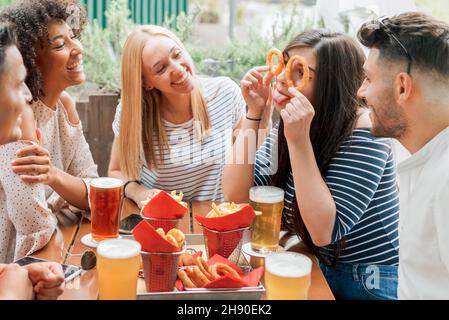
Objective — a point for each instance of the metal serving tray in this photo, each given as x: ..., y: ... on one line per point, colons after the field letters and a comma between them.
x: 196, y: 242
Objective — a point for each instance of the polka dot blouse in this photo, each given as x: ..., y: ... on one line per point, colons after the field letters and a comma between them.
x: 69, y: 152
x: 26, y: 222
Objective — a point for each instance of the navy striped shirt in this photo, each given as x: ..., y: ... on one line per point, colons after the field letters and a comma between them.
x: 195, y: 166
x: 362, y: 180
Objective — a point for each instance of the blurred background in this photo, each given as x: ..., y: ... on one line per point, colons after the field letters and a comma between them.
x: 224, y: 37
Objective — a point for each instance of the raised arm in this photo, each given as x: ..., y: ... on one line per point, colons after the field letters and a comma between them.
x: 238, y: 174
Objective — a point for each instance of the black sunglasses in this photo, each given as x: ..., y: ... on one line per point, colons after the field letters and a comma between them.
x: 387, y: 30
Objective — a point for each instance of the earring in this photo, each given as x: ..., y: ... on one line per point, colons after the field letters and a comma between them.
x: 149, y: 88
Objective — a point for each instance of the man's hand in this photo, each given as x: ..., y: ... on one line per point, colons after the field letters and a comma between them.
x: 14, y: 283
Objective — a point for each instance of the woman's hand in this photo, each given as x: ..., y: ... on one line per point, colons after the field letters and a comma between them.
x: 297, y: 115
x: 256, y: 90
x: 34, y: 163
x: 139, y: 193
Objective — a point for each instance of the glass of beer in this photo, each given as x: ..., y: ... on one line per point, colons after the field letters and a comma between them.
x: 118, y: 269
x: 105, y: 197
x: 287, y: 276
x: 266, y: 227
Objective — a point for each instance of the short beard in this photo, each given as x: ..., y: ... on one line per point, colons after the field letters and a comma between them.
x: 391, y: 123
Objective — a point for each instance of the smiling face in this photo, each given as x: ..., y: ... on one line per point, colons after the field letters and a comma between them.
x: 166, y: 66
x: 14, y: 96
x: 61, y: 58
x: 387, y: 115
x: 281, y: 96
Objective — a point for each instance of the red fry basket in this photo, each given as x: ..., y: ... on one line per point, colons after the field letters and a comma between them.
x: 165, y: 224
x: 160, y: 270
x: 227, y: 244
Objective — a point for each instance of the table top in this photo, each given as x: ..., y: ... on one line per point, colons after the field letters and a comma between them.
x: 66, y: 247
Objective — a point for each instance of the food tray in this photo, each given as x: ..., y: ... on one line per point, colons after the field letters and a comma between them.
x: 196, y: 242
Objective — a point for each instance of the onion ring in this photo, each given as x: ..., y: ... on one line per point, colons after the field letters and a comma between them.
x: 178, y: 235
x: 170, y: 239
x: 186, y: 282
x: 198, y: 278
x: 275, y: 52
x: 204, y: 268
x: 220, y: 269
x: 305, y: 76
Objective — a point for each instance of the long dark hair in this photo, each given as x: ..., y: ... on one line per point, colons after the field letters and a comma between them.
x: 339, y: 76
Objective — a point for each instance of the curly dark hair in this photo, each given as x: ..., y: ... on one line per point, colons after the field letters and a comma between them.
x: 30, y: 20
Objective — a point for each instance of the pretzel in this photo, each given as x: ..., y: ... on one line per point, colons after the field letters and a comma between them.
x: 275, y: 52
x: 221, y: 269
x: 186, y: 282
x: 305, y: 76
x: 198, y: 278
x: 178, y: 235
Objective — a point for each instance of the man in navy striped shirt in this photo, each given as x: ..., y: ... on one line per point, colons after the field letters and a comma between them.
x: 407, y: 88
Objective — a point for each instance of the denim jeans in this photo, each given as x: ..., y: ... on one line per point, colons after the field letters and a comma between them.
x: 362, y: 281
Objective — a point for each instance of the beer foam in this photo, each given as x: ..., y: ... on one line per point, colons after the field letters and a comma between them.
x: 266, y: 194
x: 106, y: 183
x: 119, y: 248
x: 288, y: 264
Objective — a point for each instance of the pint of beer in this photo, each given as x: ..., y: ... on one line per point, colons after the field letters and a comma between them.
x: 118, y: 269
x: 287, y: 276
x: 266, y: 228
x: 105, y: 197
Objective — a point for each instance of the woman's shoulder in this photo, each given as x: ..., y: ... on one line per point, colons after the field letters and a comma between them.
x: 69, y: 106
x: 363, y: 142
x: 216, y: 85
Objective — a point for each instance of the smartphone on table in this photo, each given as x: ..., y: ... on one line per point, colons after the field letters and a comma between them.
x: 70, y: 271
x: 129, y: 223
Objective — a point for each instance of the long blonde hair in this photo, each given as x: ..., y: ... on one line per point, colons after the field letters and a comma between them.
x: 141, y: 109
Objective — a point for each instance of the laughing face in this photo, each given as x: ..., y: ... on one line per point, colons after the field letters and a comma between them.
x: 167, y: 67
x: 387, y: 117
x: 281, y: 96
x: 61, y: 58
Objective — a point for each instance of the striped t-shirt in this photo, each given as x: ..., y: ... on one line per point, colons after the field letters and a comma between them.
x: 191, y: 166
x: 362, y: 180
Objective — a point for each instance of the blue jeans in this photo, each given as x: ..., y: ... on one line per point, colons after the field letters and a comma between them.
x: 362, y: 281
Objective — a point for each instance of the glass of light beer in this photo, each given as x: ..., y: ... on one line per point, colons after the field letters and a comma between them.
x: 118, y: 269
x: 266, y: 227
x: 105, y: 197
x: 287, y: 276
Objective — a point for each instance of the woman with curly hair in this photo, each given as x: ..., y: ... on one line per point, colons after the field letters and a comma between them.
x: 53, y: 57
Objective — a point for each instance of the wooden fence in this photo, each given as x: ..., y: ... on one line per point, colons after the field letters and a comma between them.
x: 97, y: 114
x: 142, y: 11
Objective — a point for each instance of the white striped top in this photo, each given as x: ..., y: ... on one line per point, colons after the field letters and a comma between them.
x: 362, y: 180
x: 191, y: 166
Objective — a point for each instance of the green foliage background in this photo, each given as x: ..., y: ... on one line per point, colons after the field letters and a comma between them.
x: 103, y: 47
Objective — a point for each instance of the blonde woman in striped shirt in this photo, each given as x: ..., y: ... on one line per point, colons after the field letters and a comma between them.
x: 172, y: 127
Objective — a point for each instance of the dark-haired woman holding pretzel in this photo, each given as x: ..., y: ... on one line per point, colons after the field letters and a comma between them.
x: 340, y: 188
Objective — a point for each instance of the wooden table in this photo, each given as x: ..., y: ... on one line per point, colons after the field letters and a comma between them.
x: 319, y: 289
x: 66, y: 247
